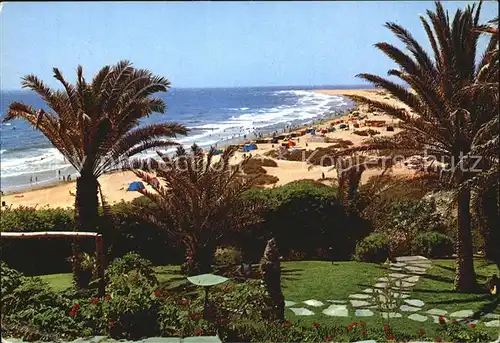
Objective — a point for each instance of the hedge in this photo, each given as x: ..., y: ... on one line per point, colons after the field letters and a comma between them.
x: 304, y: 216
x: 124, y: 231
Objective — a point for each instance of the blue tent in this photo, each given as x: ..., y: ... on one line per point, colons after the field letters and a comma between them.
x: 135, y: 186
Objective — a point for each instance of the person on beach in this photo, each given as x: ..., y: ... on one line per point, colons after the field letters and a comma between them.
x: 323, y: 176
x: 64, y: 178
x: 36, y: 179
x: 31, y: 180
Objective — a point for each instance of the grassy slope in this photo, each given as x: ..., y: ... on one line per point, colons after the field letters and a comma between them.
x: 324, y: 281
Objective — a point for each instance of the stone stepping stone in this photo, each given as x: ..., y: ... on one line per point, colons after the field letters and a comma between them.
x: 492, y: 324
x: 492, y: 316
x: 436, y: 319
x: 359, y: 296
x: 363, y: 313
x: 437, y: 312
x: 380, y: 285
x: 406, y: 308
x: 314, y: 303
x: 300, y: 311
x: 405, y: 259
x: 289, y: 303
x: 403, y: 284
x: 401, y: 295
x: 414, y: 302
x: 383, y: 279
x: 398, y: 264
x: 387, y: 315
x: 412, y: 279
x: 359, y: 303
x: 398, y: 275
x: 368, y: 290
x: 337, y: 301
x: 417, y: 317
x: 396, y: 269
x: 462, y: 314
x: 336, y: 311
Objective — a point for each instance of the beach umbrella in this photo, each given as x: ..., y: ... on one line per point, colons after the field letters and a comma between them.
x: 206, y: 281
x: 135, y: 186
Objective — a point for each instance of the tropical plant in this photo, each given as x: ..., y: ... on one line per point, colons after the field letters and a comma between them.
x: 445, y: 118
x: 95, y: 125
x: 198, y: 200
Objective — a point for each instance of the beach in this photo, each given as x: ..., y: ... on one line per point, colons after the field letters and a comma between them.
x: 114, y: 185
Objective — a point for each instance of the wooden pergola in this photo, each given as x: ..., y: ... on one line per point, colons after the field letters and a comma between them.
x: 69, y: 234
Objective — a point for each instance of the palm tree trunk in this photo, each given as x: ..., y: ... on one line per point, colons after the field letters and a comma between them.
x: 86, y: 214
x: 465, y: 276
x: 489, y: 217
x: 198, y: 259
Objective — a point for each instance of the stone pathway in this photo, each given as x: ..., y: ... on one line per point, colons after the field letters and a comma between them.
x: 390, y: 294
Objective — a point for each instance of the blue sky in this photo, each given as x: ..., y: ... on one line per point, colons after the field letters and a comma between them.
x: 208, y: 44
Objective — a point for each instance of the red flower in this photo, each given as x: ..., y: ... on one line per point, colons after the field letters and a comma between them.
x: 111, y: 324
x: 316, y: 325
x: 158, y: 293
x: 390, y: 337
x: 107, y: 297
x: 76, y: 307
x: 362, y: 324
x: 198, y: 332
x: 363, y: 332
x: 454, y: 321
x: 472, y: 326
x: 195, y: 316
x: 422, y: 332
x: 287, y: 324
x: 71, y: 313
x: 386, y: 327
x: 329, y: 338
x: 438, y: 339
x: 442, y: 320
x: 349, y: 328
x: 94, y: 301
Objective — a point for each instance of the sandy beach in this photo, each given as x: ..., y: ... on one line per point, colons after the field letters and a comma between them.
x: 114, y: 185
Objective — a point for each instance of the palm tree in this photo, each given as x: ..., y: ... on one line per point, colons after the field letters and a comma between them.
x: 197, y: 200
x: 95, y: 125
x: 485, y: 185
x: 445, y: 119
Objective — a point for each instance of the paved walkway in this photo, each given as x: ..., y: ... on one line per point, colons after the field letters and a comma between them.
x: 391, y: 296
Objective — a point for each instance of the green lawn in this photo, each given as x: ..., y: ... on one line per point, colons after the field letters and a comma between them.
x: 323, y: 281
x: 60, y: 282
x: 319, y: 280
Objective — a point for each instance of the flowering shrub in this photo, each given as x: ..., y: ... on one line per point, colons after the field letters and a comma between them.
x: 456, y: 332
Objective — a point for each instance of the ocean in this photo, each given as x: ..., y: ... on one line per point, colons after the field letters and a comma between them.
x: 215, y: 116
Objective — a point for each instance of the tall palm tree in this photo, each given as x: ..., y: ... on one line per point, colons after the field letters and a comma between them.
x: 445, y: 119
x: 486, y: 185
x: 197, y: 200
x: 95, y: 125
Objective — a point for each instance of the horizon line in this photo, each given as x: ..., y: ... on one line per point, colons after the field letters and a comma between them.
x: 340, y: 86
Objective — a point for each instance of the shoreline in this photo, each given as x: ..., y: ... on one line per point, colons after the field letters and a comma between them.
x: 114, y: 184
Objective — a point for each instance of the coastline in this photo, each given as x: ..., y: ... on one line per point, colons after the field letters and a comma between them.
x: 114, y: 184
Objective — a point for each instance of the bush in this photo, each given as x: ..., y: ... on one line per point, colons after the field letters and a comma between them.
x: 31, y: 310
x: 373, y: 248
x: 304, y: 217
x: 408, y: 218
x: 228, y: 256
x: 267, y: 162
x: 432, y: 245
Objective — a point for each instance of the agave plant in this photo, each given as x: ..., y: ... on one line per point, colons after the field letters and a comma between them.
x: 198, y: 200
x: 95, y: 125
x: 444, y: 119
